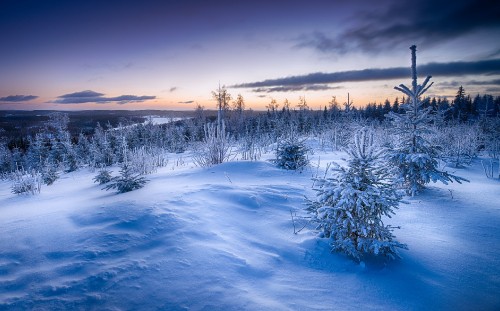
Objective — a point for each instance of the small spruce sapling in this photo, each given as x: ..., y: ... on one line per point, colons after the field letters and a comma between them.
x: 103, y: 177
x: 351, y: 203
x: 127, y: 181
x: 49, y: 173
x: 291, y: 154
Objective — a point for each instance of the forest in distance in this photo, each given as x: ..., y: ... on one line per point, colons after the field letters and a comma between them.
x: 463, y: 107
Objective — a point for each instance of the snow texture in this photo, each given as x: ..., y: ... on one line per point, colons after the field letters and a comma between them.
x: 221, y: 238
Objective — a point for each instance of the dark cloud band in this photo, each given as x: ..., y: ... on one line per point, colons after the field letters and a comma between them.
x: 320, y: 79
x: 17, y: 98
x: 295, y: 88
x: 94, y: 97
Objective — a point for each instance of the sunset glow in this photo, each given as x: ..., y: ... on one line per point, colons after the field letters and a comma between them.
x: 172, y: 54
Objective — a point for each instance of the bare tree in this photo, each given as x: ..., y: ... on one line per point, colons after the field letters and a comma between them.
x: 223, y: 98
x: 348, y: 104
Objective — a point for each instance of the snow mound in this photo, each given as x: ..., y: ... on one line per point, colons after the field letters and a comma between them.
x: 222, y: 238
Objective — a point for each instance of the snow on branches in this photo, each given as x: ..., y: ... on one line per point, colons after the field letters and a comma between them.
x: 414, y: 156
x: 351, y: 202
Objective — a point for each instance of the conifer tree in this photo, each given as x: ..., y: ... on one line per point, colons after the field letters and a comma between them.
x: 414, y: 156
x: 103, y: 177
x: 351, y: 203
x: 291, y: 153
x: 127, y: 181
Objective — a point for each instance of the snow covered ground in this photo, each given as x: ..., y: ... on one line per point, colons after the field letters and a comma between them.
x: 222, y: 238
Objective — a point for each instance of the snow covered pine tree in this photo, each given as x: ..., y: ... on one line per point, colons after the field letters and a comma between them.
x: 291, y: 153
x: 351, y: 203
x: 103, y: 177
x: 414, y: 156
x: 127, y: 181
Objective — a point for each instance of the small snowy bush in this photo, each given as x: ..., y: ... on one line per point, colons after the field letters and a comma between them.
x: 26, y: 183
x: 291, y: 154
x: 146, y: 160
x: 250, y: 149
x: 351, y: 203
x: 216, y: 147
x: 49, y: 174
x: 103, y: 177
x: 127, y: 181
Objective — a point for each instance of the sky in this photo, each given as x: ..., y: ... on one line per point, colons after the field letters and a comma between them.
x: 74, y: 55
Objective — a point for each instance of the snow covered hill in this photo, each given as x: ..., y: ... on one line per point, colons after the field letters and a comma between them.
x: 222, y: 238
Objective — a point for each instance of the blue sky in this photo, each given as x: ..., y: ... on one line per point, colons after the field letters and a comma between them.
x: 172, y: 54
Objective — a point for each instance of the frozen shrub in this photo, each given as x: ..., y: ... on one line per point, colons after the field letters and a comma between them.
x: 26, y: 183
x: 127, y: 181
x: 291, y: 154
x: 103, y: 177
x: 250, y: 149
x: 146, y: 160
x: 216, y: 148
x: 49, y: 175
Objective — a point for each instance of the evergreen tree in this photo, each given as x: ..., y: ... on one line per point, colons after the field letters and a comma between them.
x: 415, y: 157
x: 49, y: 173
x: 395, y: 106
x: 351, y: 203
x: 387, y: 107
x: 291, y: 153
x: 103, y: 177
x: 460, y: 105
x: 127, y: 181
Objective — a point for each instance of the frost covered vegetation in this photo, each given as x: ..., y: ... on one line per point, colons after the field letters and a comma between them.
x: 179, y: 205
x: 352, y: 202
x: 245, y: 135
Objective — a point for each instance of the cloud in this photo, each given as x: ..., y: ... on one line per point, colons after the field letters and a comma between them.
x: 82, y: 94
x: 295, y: 88
x: 396, y: 24
x: 489, y: 82
x: 173, y: 89
x: 17, y: 98
x: 89, y: 96
x: 494, y: 54
x: 320, y: 80
x: 455, y: 84
x: 493, y: 90
x: 186, y: 102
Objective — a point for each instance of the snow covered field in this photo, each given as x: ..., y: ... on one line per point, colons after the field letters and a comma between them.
x: 222, y: 238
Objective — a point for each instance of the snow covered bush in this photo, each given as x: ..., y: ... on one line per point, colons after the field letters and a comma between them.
x: 49, y: 174
x: 291, y: 153
x: 414, y: 156
x: 460, y: 143
x: 216, y: 147
x: 127, y: 181
x: 250, y: 148
x: 146, y: 160
x: 103, y: 177
x: 351, y: 203
x: 26, y: 183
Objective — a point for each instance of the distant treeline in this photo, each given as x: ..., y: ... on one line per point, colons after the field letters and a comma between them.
x: 462, y: 107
